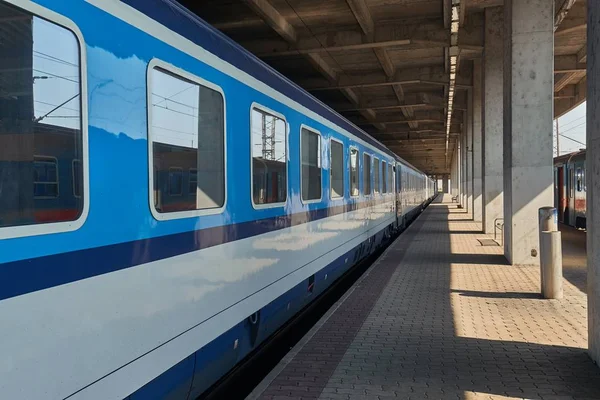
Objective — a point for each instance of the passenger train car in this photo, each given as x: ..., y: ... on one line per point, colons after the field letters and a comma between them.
x: 570, y: 188
x: 167, y: 200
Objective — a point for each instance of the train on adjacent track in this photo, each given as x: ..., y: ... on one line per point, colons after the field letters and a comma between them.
x: 570, y: 188
x: 167, y: 201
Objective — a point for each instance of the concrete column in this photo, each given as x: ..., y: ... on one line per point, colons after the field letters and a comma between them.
x: 492, y: 184
x: 477, y: 141
x: 469, y: 149
x: 463, y: 168
x: 445, y: 184
x: 593, y: 179
x: 528, y: 113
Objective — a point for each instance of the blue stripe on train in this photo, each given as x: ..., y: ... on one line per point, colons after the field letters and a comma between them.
x: 197, y: 372
x: 25, y: 276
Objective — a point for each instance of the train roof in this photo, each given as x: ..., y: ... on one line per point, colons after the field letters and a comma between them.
x: 179, y: 19
x: 567, y: 157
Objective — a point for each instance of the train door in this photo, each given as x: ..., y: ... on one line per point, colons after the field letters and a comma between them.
x: 560, y: 189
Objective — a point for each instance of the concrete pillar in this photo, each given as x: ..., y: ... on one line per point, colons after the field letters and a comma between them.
x: 593, y: 179
x: 463, y: 168
x: 492, y: 184
x: 445, y: 184
x: 477, y: 141
x: 469, y: 149
x: 528, y: 117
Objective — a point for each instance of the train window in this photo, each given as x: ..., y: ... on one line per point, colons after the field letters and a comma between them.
x: 366, y: 174
x: 336, y: 165
x: 40, y: 114
x: 310, y: 172
x: 269, y: 157
x: 376, y: 175
x: 187, y: 121
x: 390, y: 175
x: 353, y: 172
x: 579, y: 180
x: 384, y: 188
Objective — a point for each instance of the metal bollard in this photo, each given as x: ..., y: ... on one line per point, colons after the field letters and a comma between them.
x: 547, y: 221
x: 551, y: 265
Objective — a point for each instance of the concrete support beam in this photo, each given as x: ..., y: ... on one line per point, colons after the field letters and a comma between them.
x: 528, y: 112
x: 492, y: 184
x: 477, y: 140
x: 593, y: 180
x: 445, y: 182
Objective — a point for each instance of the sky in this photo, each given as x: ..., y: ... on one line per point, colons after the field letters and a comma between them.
x: 571, y: 127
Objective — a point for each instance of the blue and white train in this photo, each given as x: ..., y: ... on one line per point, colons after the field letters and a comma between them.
x: 167, y: 201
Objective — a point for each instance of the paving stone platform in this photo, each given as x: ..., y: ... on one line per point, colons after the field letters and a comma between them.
x: 440, y: 316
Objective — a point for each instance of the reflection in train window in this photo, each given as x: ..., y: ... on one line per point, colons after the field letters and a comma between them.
x: 310, y: 172
x: 376, y: 175
x: 366, y: 174
x: 40, y: 120
x: 175, y: 181
x: 353, y: 172
x: 269, y: 158
x: 192, y: 180
x: 187, y: 133
x: 579, y: 180
x: 77, y: 174
x: 45, y: 177
x: 336, y: 169
x: 389, y: 179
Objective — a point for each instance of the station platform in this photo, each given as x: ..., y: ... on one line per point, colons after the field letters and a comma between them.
x: 439, y: 316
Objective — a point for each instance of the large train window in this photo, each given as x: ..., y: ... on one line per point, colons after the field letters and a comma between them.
x: 187, y: 140
x: 310, y: 172
x: 353, y: 172
x: 269, y: 157
x: 366, y: 174
x: 41, y: 130
x: 336, y: 169
x: 376, y: 165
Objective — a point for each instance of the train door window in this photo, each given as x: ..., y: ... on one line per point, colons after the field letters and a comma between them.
x: 187, y: 131
x: 571, y: 182
x: 269, y: 157
x: 76, y: 178
x: 310, y: 172
x: 40, y: 114
x: 366, y: 174
x: 384, y: 182
x: 336, y: 165
x: 579, y: 180
x: 376, y: 165
x: 353, y: 172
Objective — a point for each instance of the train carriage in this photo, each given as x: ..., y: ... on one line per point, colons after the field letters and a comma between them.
x: 168, y: 200
x: 570, y: 188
